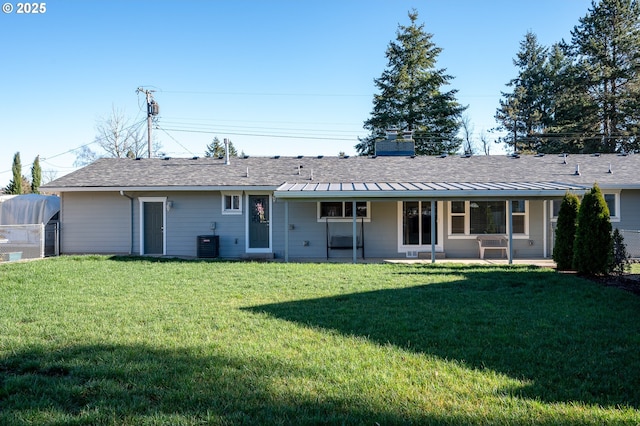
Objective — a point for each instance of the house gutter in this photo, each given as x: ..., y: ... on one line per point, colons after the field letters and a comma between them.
x: 131, y: 221
x: 194, y: 188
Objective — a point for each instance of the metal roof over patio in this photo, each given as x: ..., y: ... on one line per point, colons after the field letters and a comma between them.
x: 431, y: 190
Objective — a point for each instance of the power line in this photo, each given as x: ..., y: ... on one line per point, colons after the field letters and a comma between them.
x: 292, y: 129
x: 324, y: 95
x: 260, y: 135
x: 69, y: 151
x: 174, y: 139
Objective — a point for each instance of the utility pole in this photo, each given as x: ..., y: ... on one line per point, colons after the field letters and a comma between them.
x: 153, y: 109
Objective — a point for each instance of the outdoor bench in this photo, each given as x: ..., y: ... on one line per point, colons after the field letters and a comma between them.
x: 343, y: 242
x: 493, y: 242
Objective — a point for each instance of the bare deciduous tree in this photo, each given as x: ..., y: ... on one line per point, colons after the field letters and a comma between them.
x: 467, y: 134
x: 117, y: 137
x: 484, y: 141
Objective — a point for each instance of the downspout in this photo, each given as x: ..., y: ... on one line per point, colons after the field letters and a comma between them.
x: 131, y: 222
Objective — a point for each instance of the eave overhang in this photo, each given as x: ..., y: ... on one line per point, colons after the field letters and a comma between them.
x: 158, y: 188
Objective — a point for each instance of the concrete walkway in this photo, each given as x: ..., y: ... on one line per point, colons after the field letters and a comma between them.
x: 543, y: 263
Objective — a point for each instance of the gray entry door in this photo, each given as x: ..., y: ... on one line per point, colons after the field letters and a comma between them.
x: 259, y: 221
x: 153, y: 227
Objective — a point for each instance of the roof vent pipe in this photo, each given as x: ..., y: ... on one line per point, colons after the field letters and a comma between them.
x: 226, y: 152
x: 577, y: 173
x: 610, y: 171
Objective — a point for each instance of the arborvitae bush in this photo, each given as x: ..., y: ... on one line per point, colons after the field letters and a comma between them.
x: 593, y: 246
x: 566, y: 232
x: 621, y: 258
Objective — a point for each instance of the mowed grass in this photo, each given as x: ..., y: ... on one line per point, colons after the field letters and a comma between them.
x: 127, y: 341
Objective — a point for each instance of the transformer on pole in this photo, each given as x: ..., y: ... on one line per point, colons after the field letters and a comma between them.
x: 153, y: 109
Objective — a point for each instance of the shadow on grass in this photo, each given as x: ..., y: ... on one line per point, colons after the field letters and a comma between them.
x: 98, y: 384
x: 572, y: 340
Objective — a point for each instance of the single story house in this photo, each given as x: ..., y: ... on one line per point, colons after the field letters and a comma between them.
x: 329, y: 207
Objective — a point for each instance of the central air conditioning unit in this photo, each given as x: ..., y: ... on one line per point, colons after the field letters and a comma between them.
x: 208, y: 246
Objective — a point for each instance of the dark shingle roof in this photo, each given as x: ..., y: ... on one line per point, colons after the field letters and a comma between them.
x: 609, y: 171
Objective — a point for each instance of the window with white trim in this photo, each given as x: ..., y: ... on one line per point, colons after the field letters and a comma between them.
x: 519, y: 216
x: 613, y: 201
x: 458, y: 213
x: 469, y: 218
x: 611, y: 198
x: 343, y: 210
x: 232, y: 203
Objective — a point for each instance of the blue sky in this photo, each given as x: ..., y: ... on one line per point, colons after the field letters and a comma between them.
x: 276, y: 77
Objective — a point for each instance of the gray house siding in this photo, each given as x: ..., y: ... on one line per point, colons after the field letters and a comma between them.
x: 381, y: 235
x: 308, y: 235
x: 630, y: 220
x: 530, y: 247
x: 94, y: 223
x: 192, y: 214
x: 101, y: 222
x: 629, y: 210
x: 533, y: 246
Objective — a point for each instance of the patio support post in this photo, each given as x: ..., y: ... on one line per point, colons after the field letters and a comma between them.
x: 355, y: 232
x: 433, y: 231
x: 545, y: 224
x: 510, y: 214
x: 286, y: 231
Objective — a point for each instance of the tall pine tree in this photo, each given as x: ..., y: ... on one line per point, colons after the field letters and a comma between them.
x: 524, y: 112
x: 567, y: 131
x: 411, y: 96
x: 606, y: 48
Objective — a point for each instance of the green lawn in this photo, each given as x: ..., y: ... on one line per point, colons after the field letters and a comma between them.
x: 99, y: 340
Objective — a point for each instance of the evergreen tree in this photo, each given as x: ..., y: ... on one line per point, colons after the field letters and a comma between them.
x: 566, y: 232
x: 621, y: 258
x: 567, y: 130
x: 606, y: 48
x: 524, y: 112
x: 15, y: 185
x: 411, y: 96
x: 593, y: 246
x: 216, y: 149
x: 36, y: 176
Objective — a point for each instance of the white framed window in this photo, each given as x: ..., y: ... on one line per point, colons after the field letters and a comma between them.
x: 231, y: 203
x: 613, y: 202
x: 519, y: 216
x: 612, y: 198
x: 458, y: 224
x: 343, y: 211
x: 471, y: 218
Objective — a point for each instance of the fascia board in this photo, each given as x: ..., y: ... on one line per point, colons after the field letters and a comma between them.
x: 156, y: 188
